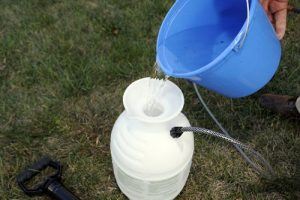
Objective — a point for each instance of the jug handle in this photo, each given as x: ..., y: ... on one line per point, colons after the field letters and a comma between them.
x: 245, y: 33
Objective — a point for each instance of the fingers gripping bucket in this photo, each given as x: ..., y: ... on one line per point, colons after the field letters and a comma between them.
x: 229, y: 46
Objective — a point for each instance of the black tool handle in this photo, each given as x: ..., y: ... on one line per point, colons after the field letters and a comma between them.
x: 33, y: 170
x: 56, y: 190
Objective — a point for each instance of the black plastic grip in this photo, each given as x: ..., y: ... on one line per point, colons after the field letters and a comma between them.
x: 51, y: 185
x: 33, y: 170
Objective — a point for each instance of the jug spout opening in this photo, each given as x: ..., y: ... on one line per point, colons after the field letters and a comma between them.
x: 153, y: 101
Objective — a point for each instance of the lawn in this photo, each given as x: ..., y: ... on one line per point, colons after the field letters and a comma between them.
x: 64, y: 66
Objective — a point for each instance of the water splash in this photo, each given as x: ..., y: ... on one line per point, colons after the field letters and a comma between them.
x: 156, y: 87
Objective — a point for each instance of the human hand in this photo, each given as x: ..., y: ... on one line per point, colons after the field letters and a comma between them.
x: 277, y: 13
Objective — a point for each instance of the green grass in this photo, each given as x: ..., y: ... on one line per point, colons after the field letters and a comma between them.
x: 63, y: 68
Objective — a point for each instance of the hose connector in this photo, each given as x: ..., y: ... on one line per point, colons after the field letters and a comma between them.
x: 176, y: 132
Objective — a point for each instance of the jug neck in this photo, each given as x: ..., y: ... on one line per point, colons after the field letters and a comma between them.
x: 167, y: 104
x: 135, y: 124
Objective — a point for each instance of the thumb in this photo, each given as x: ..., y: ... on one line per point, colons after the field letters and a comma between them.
x: 280, y: 23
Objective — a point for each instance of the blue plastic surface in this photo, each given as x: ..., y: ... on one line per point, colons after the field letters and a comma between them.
x: 198, y: 41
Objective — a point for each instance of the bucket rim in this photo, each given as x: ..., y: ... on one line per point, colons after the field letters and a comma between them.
x: 220, y: 57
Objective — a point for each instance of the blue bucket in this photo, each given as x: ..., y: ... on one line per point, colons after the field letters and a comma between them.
x: 227, y: 46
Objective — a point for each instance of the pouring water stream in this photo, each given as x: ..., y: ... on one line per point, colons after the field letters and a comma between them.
x: 153, y: 107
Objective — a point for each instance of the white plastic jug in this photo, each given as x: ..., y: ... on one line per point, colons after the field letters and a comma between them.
x: 148, y: 163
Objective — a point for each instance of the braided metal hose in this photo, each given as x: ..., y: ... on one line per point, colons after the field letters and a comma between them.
x: 215, y: 134
x: 240, y: 147
x: 176, y: 132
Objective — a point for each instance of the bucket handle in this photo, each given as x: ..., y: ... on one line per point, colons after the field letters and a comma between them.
x: 245, y: 33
